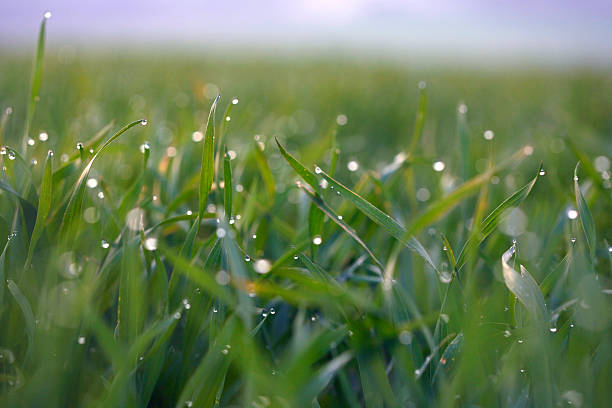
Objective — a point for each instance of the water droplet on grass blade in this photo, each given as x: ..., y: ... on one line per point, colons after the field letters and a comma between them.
x: 572, y: 214
x: 262, y: 266
x: 81, y: 340
x: 542, y: 172
x: 235, y: 101
x: 144, y: 147
x: 143, y: 122
x: 177, y: 315
x: 197, y: 136
x: 43, y: 136
x: 439, y: 166
x: 247, y: 258
x: 31, y: 142
x: 317, y: 240
x: 105, y: 244
x: 352, y: 165
x: 92, y: 183
x: 47, y: 15
x: 488, y: 135
x: 318, y: 170
x: 150, y: 244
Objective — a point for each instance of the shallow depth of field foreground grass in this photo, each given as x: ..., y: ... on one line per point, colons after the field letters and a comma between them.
x: 319, y: 235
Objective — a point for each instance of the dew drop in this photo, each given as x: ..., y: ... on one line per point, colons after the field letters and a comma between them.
x: 221, y: 232
x: 439, y: 166
x: 235, y: 101
x: 352, y: 165
x: 81, y: 340
x: 542, y: 172
x: 553, y: 329
x: 197, y: 136
x: 43, y: 136
x: 105, y: 244
x: 262, y: 266
x: 79, y: 146
x: 488, y: 135
x: 573, y: 240
x: 150, y: 244
x: 340, y: 217
x: 177, y: 315
x: 144, y: 147
x: 100, y: 195
x: 143, y: 122
x: 227, y: 118
x: 295, y: 257
x: 318, y: 170
x: 445, y: 277
x: 247, y: 258
x: 341, y: 119
x: 264, y: 313
x: 572, y: 214
x: 92, y: 183
x: 47, y: 15
x: 254, y: 236
x: 31, y: 142
x: 317, y: 240
x: 272, y: 311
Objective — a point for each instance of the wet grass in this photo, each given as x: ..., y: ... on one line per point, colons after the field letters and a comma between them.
x: 321, y: 234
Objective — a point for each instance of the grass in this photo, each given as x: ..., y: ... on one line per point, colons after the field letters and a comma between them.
x: 246, y: 265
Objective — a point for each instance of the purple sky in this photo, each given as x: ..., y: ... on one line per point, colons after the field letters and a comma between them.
x: 561, y: 30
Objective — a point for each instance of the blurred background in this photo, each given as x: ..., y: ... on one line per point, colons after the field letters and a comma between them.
x: 483, y: 33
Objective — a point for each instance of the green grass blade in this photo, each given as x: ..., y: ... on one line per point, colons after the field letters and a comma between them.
x: 36, y: 80
x: 72, y: 214
x: 299, y: 168
x: 265, y: 171
x: 489, y: 224
x: 26, y: 310
x: 208, y: 159
x: 44, y: 205
x: 523, y: 286
x: 419, y: 122
x: 586, y: 218
x: 228, y: 187
x: 318, y: 201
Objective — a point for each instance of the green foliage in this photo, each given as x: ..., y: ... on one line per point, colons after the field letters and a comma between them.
x: 176, y: 272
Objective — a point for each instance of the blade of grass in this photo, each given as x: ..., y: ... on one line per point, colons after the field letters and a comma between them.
x: 208, y: 159
x: 586, y: 218
x: 72, y: 214
x: 489, y: 224
x: 44, y: 205
x: 35, y: 80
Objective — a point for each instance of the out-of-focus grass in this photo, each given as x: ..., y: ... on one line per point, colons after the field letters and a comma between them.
x: 179, y: 270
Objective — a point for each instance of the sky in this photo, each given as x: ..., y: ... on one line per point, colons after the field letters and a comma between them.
x: 561, y: 31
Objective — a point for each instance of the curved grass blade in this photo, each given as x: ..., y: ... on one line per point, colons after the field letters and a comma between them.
x: 523, y: 286
x: 318, y: 201
x: 489, y: 224
x: 438, y: 209
x: 72, y: 214
x: 299, y: 168
x: 265, y: 171
x: 29, y: 211
x: 227, y: 187
x: 419, y: 122
x: 44, y: 205
x: 376, y: 215
x: 35, y: 80
x: 62, y: 171
x: 26, y: 310
x: 208, y: 159
x: 586, y: 218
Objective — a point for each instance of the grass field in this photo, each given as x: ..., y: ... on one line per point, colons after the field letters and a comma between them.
x: 358, y: 234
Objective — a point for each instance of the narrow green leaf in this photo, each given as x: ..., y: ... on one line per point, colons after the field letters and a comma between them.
x: 586, y: 218
x: 318, y: 201
x: 523, y: 286
x: 26, y: 310
x: 265, y: 171
x: 35, y: 80
x: 44, y: 205
x: 208, y: 160
x: 72, y: 214
x: 299, y: 168
x: 489, y: 224
x: 227, y: 187
x: 419, y: 121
